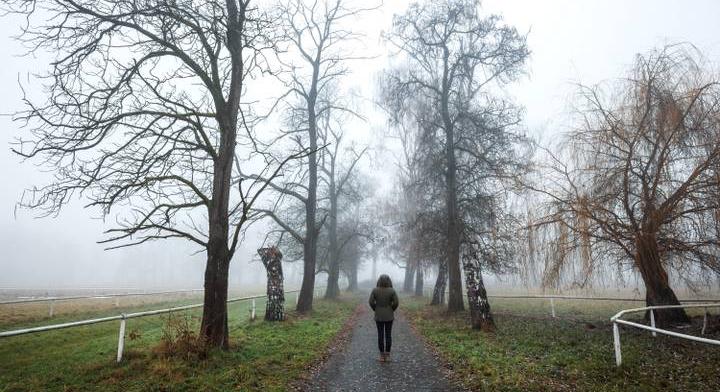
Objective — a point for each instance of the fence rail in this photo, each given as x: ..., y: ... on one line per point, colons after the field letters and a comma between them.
x: 552, y: 299
x: 53, y: 300
x: 616, y: 319
x: 126, y: 316
x: 97, y: 296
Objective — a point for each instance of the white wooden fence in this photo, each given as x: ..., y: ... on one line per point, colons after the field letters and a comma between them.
x: 126, y: 316
x: 52, y: 300
x: 616, y: 319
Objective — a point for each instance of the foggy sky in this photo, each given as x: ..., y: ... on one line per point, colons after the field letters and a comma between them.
x: 571, y: 41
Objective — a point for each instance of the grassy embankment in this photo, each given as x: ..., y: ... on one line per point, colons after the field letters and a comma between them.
x: 533, y: 352
x: 263, y: 356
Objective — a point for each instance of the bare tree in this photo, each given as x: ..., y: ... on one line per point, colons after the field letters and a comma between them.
x: 315, y: 33
x: 337, y: 182
x: 144, y: 119
x: 644, y: 188
x: 356, y: 233
x: 453, y: 56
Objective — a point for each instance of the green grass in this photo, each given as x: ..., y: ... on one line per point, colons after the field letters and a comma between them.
x: 263, y: 356
x: 533, y: 352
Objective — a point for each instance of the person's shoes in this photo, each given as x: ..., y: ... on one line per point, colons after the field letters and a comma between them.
x: 382, y: 357
x: 387, y: 357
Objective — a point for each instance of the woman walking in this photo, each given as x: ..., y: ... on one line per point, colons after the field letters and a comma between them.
x: 384, y: 301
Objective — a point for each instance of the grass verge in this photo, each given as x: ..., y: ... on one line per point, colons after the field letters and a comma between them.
x: 263, y: 357
x: 538, y: 353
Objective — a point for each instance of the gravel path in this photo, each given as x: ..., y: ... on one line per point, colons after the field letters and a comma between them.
x: 355, y: 367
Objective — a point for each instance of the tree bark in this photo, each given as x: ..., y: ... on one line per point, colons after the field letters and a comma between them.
x: 305, y: 300
x: 274, y: 307
x: 419, y: 282
x: 657, y: 285
x: 409, y: 273
x: 480, y: 315
x: 438, y: 297
x: 213, y: 327
x: 353, y: 277
x: 455, y: 300
x: 332, y: 290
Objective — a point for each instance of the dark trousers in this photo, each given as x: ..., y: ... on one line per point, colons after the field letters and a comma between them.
x: 384, y: 335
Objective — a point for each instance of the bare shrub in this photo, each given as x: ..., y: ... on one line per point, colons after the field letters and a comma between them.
x: 180, y: 340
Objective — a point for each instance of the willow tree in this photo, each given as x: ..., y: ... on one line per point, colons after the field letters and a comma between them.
x: 143, y: 119
x: 644, y: 188
x: 454, y: 57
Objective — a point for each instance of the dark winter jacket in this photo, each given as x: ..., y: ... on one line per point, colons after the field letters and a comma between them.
x: 384, y: 301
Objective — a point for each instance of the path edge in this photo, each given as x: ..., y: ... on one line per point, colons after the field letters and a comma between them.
x: 445, y: 366
x: 337, y: 343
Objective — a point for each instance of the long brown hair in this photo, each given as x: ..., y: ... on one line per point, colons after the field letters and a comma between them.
x: 384, y: 281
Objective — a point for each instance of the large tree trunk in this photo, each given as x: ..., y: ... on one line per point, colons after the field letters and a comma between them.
x: 332, y: 290
x: 480, y: 315
x: 419, y: 281
x: 409, y: 273
x: 438, y: 297
x: 353, y: 277
x: 272, y: 259
x: 455, y: 299
x: 657, y: 285
x: 305, y: 300
x: 213, y: 327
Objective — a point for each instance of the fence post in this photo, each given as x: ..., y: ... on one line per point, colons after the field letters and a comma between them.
x: 117, y: 301
x: 52, y: 308
x: 616, y: 340
x: 121, y: 338
x: 297, y: 298
x: 652, y: 321
x: 552, y: 306
x: 252, y: 311
x: 704, y: 322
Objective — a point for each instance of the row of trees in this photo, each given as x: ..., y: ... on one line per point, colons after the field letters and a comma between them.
x: 153, y: 114
x: 634, y: 187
